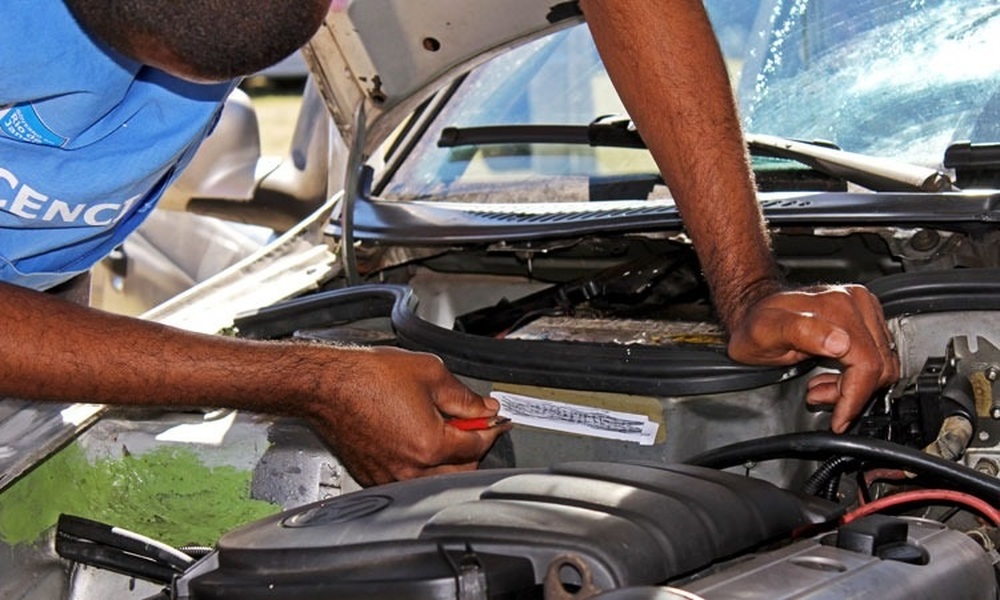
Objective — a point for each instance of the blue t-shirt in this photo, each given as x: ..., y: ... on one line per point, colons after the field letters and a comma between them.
x: 89, y: 139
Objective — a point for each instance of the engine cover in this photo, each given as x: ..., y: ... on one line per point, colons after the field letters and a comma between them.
x: 586, y: 530
x: 498, y: 532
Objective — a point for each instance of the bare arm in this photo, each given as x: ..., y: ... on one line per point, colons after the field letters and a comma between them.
x: 670, y: 75
x: 668, y: 70
x: 379, y: 409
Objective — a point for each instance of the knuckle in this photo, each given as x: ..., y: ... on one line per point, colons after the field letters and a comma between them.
x: 424, y: 451
x: 405, y: 473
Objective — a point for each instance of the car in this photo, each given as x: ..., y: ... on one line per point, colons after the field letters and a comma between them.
x: 493, y: 204
x: 293, y: 68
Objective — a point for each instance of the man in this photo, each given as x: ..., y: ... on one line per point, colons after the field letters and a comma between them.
x: 89, y: 136
x: 104, y: 101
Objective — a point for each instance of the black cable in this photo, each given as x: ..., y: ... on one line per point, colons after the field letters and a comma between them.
x: 831, y: 470
x: 832, y: 490
x: 820, y: 445
x: 86, y: 530
x: 114, y: 559
x: 949, y: 514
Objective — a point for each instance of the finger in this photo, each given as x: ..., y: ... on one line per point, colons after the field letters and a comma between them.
x: 857, y: 384
x: 874, y: 320
x: 867, y: 367
x: 766, y: 341
x: 826, y: 391
x: 823, y: 395
x: 468, y: 446
x: 445, y: 469
x: 456, y: 451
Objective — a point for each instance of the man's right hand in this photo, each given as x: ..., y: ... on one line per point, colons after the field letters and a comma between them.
x: 388, y: 420
x: 381, y: 410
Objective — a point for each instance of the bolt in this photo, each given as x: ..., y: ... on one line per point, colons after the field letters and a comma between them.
x: 987, y: 467
x: 995, y: 413
x: 992, y: 373
x: 984, y: 436
x: 924, y: 240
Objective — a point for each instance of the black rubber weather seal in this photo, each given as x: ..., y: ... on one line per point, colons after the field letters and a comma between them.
x: 938, y: 291
x: 606, y: 367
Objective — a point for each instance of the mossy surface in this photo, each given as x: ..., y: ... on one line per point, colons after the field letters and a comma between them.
x: 167, y: 494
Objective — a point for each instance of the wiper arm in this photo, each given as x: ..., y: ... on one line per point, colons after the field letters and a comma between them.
x: 872, y: 172
x: 879, y: 174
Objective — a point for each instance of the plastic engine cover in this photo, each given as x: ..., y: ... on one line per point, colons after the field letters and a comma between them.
x: 494, y: 533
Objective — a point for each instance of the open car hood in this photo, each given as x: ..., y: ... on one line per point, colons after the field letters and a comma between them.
x: 385, y: 56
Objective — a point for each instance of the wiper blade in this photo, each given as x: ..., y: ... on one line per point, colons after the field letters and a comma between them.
x: 603, y: 132
x: 875, y: 173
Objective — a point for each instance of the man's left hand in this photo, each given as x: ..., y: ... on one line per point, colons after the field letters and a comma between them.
x: 842, y: 322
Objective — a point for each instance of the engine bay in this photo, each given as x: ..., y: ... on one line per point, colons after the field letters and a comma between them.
x: 904, y: 505
x: 729, y: 485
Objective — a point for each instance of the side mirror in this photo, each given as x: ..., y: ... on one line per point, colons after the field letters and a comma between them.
x: 236, y: 184
x: 227, y: 163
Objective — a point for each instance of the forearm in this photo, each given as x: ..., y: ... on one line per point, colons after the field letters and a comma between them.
x: 381, y: 410
x: 667, y: 68
x: 53, y: 350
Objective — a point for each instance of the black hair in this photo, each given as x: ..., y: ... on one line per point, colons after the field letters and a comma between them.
x: 213, y: 39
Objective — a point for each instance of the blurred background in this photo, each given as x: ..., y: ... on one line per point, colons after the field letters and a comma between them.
x: 173, y: 250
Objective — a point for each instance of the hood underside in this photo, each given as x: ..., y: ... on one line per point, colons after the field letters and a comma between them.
x: 388, y: 55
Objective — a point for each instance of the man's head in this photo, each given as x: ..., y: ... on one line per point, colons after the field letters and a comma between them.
x: 207, y: 40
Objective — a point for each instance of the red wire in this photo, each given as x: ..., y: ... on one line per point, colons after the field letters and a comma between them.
x: 953, y: 497
x: 874, y: 475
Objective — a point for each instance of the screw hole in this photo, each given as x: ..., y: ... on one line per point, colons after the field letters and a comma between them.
x: 570, y: 578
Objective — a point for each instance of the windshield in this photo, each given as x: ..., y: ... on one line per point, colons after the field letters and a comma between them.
x: 894, y: 78
x: 899, y: 79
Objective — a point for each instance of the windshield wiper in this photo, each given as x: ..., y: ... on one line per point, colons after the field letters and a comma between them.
x: 875, y: 173
x: 605, y: 132
x: 872, y: 172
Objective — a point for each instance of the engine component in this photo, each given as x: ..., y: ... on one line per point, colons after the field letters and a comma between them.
x: 935, y: 410
x: 812, y: 445
x: 500, y: 530
x: 630, y: 283
x: 587, y: 530
x: 887, y: 558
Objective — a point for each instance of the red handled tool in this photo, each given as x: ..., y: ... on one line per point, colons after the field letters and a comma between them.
x: 478, y: 423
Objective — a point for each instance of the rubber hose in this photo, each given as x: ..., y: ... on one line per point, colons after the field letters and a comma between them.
x: 821, y: 444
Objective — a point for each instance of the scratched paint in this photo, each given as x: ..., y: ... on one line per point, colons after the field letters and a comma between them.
x: 167, y: 494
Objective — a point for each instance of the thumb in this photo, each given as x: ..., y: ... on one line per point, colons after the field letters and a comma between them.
x: 460, y: 401
x: 836, y: 343
x: 815, y: 336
